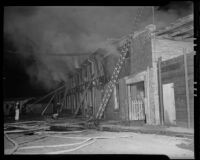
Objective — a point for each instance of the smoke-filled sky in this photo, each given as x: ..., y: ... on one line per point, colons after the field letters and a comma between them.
x: 35, y: 32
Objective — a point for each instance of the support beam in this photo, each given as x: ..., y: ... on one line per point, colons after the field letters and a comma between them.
x: 181, y: 31
x: 187, y: 87
x: 160, y: 91
x: 48, y: 104
x: 148, y: 116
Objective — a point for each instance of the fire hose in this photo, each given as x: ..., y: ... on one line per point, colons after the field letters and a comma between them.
x: 81, y: 144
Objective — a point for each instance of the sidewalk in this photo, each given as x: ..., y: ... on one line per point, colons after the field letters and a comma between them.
x: 148, y: 129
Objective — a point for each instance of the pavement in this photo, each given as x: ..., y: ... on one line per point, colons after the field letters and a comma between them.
x: 103, y: 142
x: 117, y: 126
x: 175, y: 142
x: 114, y: 126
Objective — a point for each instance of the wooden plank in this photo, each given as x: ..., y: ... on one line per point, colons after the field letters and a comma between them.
x: 160, y: 92
x: 173, y: 77
x: 129, y: 101
x: 172, y: 69
x: 180, y: 90
x: 148, y: 113
x: 169, y: 67
x: 187, y: 88
x: 178, y: 81
x: 178, y: 59
x: 181, y: 31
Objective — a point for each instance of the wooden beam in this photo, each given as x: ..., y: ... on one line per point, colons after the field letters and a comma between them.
x: 148, y: 116
x: 175, y: 25
x: 181, y: 31
x: 48, y: 104
x: 187, y: 87
x: 160, y: 91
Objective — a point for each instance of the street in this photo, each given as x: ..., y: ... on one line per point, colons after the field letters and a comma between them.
x: 98, y: 142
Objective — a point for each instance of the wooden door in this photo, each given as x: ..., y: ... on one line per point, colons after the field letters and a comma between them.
x: 169, y: 104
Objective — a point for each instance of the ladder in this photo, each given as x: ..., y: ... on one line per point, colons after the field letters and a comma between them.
x: 109, y: 88
x: 113, y: 80
x: 83, y: 97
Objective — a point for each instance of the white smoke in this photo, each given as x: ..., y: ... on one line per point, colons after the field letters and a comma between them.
x: 39, y: 31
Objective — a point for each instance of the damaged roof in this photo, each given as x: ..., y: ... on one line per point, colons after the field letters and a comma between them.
x: 182, y: 29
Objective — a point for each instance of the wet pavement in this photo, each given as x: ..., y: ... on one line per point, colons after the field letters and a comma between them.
x: 100, y: 142
x: 55, y: 140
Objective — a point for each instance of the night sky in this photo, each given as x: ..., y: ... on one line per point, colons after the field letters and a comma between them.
x: 17, y: 83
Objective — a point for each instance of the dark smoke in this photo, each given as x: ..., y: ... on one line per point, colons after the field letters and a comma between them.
x: 39, y: 31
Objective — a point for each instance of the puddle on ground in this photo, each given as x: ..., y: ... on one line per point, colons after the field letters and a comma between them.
x: 188, y: 144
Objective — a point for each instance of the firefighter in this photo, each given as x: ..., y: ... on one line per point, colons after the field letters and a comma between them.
x: 17, y: 107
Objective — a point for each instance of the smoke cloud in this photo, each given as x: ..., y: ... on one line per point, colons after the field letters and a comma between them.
x: 39, y: 31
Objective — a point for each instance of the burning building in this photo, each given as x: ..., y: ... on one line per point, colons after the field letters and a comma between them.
x: 155, y: 84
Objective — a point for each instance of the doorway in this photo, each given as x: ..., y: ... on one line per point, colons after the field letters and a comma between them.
x: 169, y: 104
x: 136, y: 94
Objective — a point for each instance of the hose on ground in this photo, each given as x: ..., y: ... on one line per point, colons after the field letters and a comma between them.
x: 52, y: 146
x: 11, y: 151
x: 68, y: 132
x: 70, y: 150
x: 24, y: 122
x: 82, y: 144
x: 25, y: 131
x: 37, y: 139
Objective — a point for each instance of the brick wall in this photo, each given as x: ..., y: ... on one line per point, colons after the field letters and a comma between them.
x: 141, y: 54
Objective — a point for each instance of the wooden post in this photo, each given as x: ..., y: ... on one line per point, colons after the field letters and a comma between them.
x: 48, y: 104
x: 187, y: 87
x: 148, y: 97
x: 160, y: 91
x: 129, y: 102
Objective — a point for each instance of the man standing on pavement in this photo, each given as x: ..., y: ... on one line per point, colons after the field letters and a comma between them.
x: 17, y: 106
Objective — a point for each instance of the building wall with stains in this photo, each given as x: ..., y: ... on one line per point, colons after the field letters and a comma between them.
x: 142, y: 59
x: 173, y: 71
